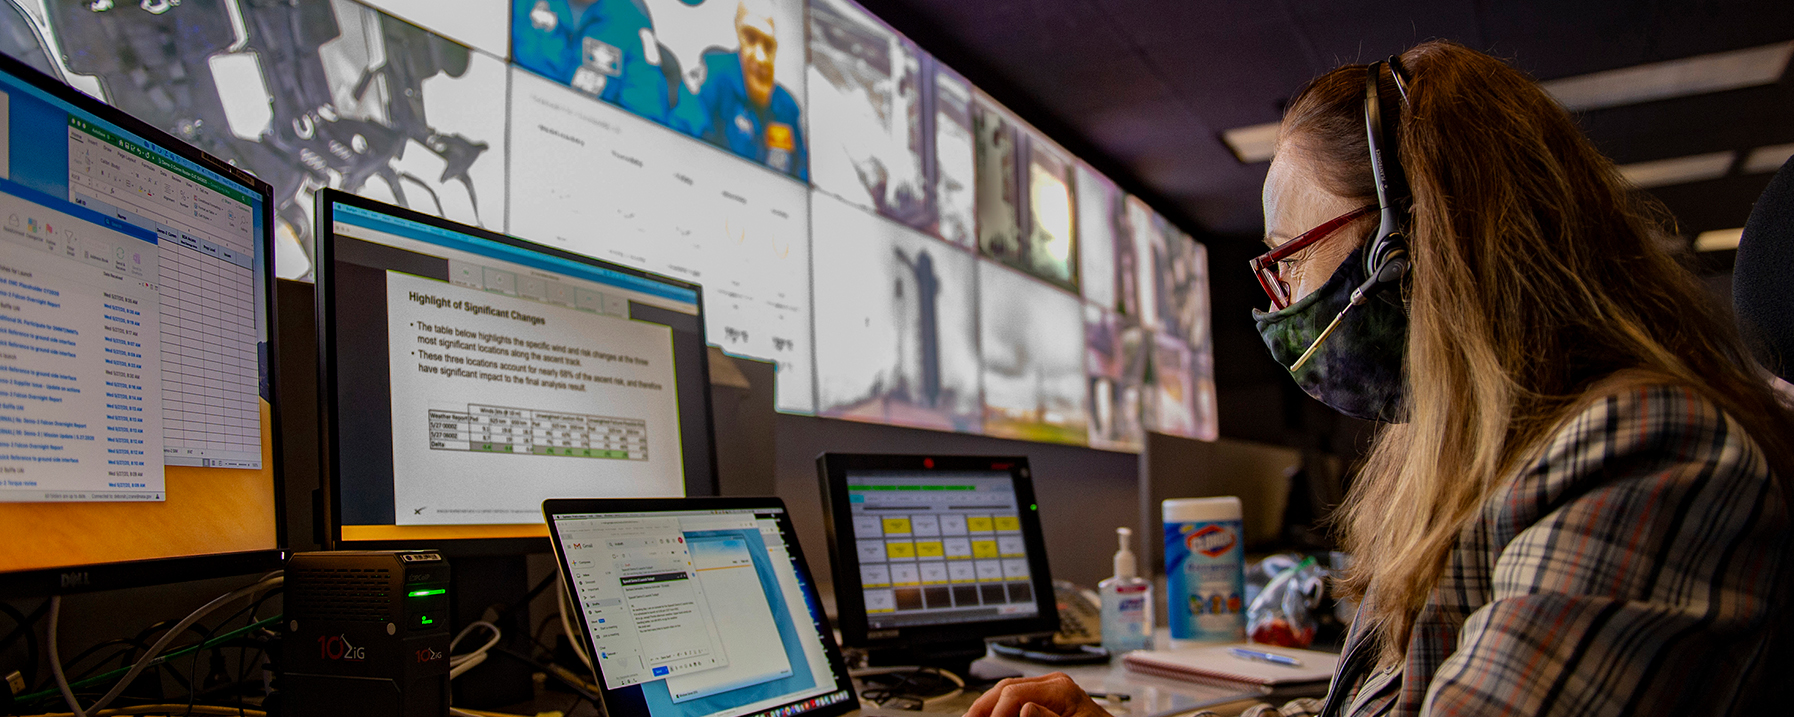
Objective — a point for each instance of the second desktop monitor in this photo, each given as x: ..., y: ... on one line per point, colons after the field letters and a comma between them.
x: 935, y: 549
x: 469, y: 376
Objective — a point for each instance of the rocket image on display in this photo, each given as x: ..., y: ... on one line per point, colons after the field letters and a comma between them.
x: 928, y: 291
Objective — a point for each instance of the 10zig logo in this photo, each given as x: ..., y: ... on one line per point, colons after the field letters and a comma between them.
x: 337, y: 647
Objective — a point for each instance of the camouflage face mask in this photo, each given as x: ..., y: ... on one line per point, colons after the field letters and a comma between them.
x: 1358, y: 369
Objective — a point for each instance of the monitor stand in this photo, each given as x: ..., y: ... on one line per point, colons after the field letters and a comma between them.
x: 956, y: 656
x: 1043, y: 650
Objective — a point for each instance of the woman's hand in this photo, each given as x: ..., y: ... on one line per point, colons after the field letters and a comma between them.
x: 1053, y: 695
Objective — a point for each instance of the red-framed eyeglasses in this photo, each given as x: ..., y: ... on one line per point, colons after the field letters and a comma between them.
x: 1266, y: 264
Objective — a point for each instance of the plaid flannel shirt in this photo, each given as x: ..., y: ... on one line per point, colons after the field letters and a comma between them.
x: 1639, y: 565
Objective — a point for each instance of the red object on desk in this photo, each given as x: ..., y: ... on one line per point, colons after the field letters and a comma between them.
x: 1278, y: 632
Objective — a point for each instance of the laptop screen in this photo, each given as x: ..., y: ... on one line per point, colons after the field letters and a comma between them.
x: 699, y: 613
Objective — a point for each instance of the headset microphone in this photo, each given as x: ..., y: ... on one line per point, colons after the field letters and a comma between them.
x: 1388, y: 274
x: 1297, y: 366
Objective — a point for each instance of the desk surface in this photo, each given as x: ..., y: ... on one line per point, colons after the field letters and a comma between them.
x: 1148, y: 696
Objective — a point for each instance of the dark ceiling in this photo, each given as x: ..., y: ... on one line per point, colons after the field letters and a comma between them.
x: 1143, y: 88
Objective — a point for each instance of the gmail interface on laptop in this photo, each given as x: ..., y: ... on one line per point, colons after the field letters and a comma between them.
x: 699, y: 613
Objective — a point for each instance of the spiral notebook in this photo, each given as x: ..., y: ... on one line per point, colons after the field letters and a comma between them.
x: 1215, y: 664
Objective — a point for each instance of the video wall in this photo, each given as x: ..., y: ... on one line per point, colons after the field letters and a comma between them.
x: 905, y: 249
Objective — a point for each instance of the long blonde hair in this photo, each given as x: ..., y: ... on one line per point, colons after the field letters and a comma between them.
x: 1537, y: 286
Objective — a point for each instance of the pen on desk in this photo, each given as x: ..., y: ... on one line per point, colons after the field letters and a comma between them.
x: 1259, y: 656
x: 1110, y: 696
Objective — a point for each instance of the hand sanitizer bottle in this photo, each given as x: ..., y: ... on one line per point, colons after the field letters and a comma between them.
x: 1127, y: 602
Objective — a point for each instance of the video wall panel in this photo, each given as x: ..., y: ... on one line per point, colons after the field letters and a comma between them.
x: 483, y: 25
x: 896, y: 323
x: 906, y: 250
x: 591, y: 178
x: 728, y: 74
x: 1033, y: 341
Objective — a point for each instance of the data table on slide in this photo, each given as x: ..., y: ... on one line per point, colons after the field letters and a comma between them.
x: 499, y: 429
x: 211, y: 365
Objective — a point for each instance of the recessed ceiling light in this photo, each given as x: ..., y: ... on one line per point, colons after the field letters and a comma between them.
x: 1696, y: 75
x: 1718, y: 239
x: 1678, y: 170
x: 1768, y: 159
x: 1252, y: 144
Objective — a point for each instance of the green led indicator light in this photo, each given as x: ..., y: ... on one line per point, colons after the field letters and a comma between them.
x: 427, y: 593
x: 1033, y: 506
x: 425, y: 620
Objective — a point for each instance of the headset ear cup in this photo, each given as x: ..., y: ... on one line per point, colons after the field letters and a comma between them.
x: 1387, y: 262
x: 1393, y: 248
x: 1378, y: 252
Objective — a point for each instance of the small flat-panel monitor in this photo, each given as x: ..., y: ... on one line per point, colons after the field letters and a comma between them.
x: 468, y: 376
x: 137, y: 437
x: 698, y: 607
x: 935, y: 553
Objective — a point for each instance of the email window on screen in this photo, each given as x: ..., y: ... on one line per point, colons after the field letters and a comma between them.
x: 742, y: 613
x: 740, y: 596
x: 639, y: 588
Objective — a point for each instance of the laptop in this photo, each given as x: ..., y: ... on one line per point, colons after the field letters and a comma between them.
x: 699, y: 607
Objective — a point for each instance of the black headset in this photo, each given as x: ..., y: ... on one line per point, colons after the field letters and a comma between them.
x: 1386, y: 260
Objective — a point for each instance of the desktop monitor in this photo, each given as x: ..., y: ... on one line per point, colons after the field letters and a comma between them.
x: 136, y: 378
x: 467, y: 376
x: 698, y: 607
x: 933, y: 554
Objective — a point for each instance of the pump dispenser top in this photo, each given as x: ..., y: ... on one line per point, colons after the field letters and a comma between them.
x: 1125, y: 566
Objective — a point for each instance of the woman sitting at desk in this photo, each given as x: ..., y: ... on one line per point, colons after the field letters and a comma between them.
x: 1580, y: 504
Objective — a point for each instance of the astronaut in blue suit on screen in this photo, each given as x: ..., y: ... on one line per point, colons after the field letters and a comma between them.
x: 542, y: 33
x: 610, y: 52
x: 740, y: 107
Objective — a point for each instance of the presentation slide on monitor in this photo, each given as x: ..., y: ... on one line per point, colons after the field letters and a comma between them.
x: 590, y: 178
x: 80, y: 357
x: 499, y: 403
